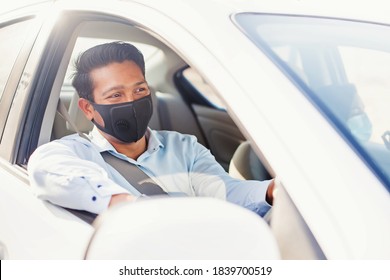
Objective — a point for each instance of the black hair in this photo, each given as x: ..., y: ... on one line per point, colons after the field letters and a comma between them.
x: 99, y: 56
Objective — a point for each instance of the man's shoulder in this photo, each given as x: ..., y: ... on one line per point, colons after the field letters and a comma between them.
x: 74, y: 139
x: 173, y: 136
x: 74, y: 142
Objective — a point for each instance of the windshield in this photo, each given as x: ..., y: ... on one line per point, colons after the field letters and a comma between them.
x: 343, y: 67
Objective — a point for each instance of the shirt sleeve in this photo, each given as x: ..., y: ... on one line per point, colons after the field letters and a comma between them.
x: 62, y: 175
x: 210, y: 179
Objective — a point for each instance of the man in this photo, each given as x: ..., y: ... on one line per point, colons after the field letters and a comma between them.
x: 114, y: 95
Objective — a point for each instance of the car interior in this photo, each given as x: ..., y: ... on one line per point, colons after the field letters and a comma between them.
x: 182, y: 100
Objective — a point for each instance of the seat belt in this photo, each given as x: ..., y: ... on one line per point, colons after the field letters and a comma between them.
x: 61, y: 109
x: 134, y: 175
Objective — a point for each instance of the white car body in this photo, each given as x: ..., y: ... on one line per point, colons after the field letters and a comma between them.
x: 341, y: 202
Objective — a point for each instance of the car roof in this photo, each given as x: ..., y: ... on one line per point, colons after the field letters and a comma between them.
x: 13, y: 5
x: 373, y: 10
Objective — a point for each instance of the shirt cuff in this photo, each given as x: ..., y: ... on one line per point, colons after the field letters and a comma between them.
x: 99, y: 199
x: 250, y: 194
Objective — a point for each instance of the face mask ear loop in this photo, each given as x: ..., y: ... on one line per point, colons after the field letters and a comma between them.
x: 93, y: 120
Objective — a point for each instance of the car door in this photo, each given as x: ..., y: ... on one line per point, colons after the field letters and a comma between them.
x: 13, y: 34
x: 30, y: 228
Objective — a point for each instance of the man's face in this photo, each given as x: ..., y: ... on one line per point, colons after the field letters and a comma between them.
x: 115, y: 83
x: 118, y: 83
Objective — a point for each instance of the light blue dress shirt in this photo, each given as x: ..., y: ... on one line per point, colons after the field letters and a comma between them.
x: 71, y: 172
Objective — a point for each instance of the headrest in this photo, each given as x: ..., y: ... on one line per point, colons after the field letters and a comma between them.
x: 342, y: 100
x: 246, y: 165
x: 77, y: 117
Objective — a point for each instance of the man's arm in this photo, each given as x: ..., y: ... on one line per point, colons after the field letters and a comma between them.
x: 121, y: 198
x: 210, y: 179
x: 70, y: 175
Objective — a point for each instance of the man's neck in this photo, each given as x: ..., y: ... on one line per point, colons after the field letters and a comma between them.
x: 131, y: 150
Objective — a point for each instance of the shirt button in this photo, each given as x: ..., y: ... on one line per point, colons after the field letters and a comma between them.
x: 94, y: 198
x: 99, y: 186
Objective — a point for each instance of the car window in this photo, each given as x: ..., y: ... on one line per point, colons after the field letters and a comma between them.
x: 343, y: 67
x: 202, y: 88
x: 11, y: 38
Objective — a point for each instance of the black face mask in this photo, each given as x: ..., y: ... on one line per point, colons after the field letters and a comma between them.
x: 127, y: 121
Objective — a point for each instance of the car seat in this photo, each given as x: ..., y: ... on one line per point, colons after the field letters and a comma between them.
x: 246, y: 165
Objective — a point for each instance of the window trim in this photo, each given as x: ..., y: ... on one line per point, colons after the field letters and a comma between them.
x: 16, y: 71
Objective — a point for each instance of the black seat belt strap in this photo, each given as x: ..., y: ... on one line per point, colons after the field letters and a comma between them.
x: 135, y: 176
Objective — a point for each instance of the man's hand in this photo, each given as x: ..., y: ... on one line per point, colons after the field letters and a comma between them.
x: 122, y: 197
x: 269, y: 197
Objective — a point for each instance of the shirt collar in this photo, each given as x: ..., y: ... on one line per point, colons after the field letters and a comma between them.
x: 97, y: 138
x: 154, y: 144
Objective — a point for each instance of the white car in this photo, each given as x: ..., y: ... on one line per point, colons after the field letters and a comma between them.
x: 305, y: 89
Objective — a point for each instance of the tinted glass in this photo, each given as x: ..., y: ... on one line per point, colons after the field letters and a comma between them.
x: 343, y: 67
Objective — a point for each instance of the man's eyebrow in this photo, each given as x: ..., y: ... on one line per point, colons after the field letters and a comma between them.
x: 112, y: 89
x: 140, y: 83
x: 122, y: 87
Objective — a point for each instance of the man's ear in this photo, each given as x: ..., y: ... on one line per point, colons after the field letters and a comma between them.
x: 86, y: 107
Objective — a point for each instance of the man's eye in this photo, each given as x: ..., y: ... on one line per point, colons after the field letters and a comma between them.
x: 115, y: 95
x: 140, y: 91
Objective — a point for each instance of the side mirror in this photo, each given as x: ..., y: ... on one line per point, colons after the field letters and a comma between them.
x: 181, y: 228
